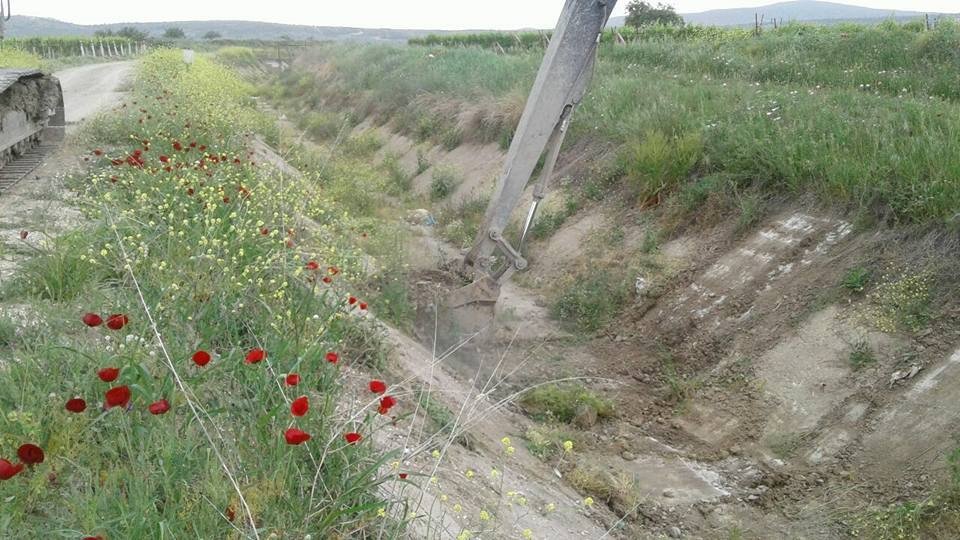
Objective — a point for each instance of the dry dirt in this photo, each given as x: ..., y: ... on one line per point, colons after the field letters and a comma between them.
x: 739, y: 412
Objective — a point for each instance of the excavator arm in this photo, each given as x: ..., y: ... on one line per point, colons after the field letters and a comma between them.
x: 561, y: 82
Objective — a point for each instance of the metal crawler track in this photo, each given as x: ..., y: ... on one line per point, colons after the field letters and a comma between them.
x: 16, y: 170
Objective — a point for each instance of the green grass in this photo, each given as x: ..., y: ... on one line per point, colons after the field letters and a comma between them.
x: 867, y: 117
x: 559, y: 402
x: 460, y: 225
x: 546, y: 441
x: 590, y: 300
x: 208, y: 256
x: 935, y: 516
x: 62, y: 272
x: 443, y: 183
x: 549, y: 221
x: 861, y: 355
x: 856, y: 279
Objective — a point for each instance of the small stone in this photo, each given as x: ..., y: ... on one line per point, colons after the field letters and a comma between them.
x: 675, y: 532
x: 669, y: 493
x: 628, y: 455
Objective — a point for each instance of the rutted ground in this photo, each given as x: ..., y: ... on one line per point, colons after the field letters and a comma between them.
x: 777, y: 433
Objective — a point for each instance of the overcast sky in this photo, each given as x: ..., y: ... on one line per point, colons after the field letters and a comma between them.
x: 433, y: 14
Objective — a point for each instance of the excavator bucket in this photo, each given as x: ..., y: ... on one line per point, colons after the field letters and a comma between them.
x: 560, y: 85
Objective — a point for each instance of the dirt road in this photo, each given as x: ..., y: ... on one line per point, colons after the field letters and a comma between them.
x: 35, y: 205
x: 89, y: 89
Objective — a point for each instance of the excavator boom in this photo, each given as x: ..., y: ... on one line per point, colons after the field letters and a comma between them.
x: 561, y: 82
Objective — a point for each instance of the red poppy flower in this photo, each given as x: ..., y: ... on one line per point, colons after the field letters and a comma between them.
x: 230, y: 513
x: 289, y: 243
x: 353, y: 438
x: 30, y: 454
x: 226, y: 200
x: 93, y: 538
x: 117, y: 396
x: 203, y: 148
x: 296, y: 436
x: 363, y: 306
x: 9, y: 470
x: 23, y: 235
x: 352, y: 300
x: 92, y: 320
x: 292, y: 379
x: 255, y: 355
x: 236, y: 160
x: 159, y: 407
x: 312, y: 265
x: 378, y: 387
x: 108, y: 374
x: 113, y: 179
x: 193, y: 144
x: 333, y: 357
x: 98, y: 152
x: 190, y: 192
x: 403, y: 476
x: 201, y: 358
x: 164, y: 159
x: 117, y: 321
x: 76, y: 405
x: 327, y: 279
x: 177, y: 146
x: 300, y: 406
x: 264, y: 231
x: 386, y: 403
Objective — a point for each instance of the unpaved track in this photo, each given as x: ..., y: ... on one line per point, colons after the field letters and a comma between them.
x: 36, y: 203
x: 89, y: 89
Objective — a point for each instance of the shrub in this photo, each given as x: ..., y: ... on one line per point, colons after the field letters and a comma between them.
x: 560, y: 402
x: 590, y: 302
x: 443, y: 183
x: 658, y: 163
x: 856, y: 279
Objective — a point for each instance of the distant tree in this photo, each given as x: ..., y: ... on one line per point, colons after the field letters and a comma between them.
x: 641, y: 13
x: 174, y: 33
x: 132, y: 33
x: 103, y: 33
x: 212, y: 35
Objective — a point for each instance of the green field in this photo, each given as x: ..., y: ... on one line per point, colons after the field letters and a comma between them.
x: 864, y: 118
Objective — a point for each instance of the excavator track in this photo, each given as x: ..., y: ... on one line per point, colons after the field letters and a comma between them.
x: 31, y: 122
x: 21, y: 166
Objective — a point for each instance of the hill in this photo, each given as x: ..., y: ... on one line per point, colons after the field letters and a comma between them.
x: 800, y: 10
x: 27, y: 26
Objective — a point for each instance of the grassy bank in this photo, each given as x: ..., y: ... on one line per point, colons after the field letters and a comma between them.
x: 863, y: 117
x: 199, y: 284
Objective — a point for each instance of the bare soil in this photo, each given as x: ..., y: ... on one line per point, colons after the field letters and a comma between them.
x: 739, y: 411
